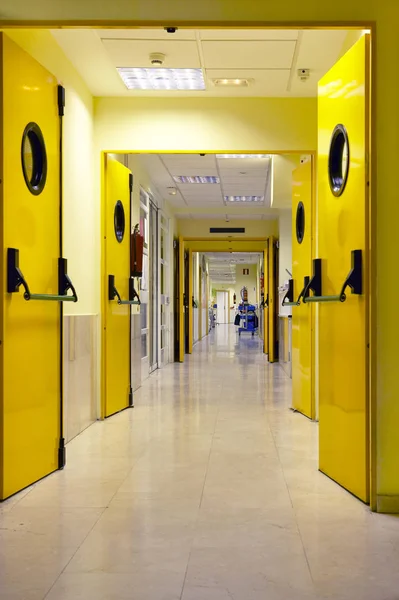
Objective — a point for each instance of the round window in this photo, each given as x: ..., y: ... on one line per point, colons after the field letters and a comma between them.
x: 34, y: 158
x: 300, y: 222
x: 338, y: 160
x: 119, y: 221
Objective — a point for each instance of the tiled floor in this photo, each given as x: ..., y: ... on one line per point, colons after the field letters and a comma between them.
x: 207, y: 490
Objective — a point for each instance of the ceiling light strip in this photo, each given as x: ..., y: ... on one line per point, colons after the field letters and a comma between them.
x: 196, y: 179
x: 244, y: 198
x: 162, y: 79
x: 260, y: 156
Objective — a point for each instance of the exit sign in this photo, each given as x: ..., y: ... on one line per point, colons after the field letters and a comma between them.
x: 245, y: 271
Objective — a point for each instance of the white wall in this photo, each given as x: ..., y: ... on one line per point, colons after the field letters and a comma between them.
x: 285, y: 245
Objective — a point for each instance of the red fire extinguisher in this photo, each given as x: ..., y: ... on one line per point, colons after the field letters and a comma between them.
x: 136, y: 254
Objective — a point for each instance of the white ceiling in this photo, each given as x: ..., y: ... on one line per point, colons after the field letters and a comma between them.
x: 223, y: 265
x: 270, y: 57
x: 238, y: 177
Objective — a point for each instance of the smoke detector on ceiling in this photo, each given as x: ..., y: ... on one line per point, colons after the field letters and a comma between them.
x: 303, y: 74
x: 157, y: 59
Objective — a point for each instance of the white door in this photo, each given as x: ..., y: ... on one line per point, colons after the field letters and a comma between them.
x: 221, y: 301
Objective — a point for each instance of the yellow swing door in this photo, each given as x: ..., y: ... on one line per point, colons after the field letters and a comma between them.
x: 182, y: 308
x: 272, y: 292
x: 117, y: 288
x: 302, y: 223
x: 265, y: 302
x: 31, y: 444
x: 343, y: 203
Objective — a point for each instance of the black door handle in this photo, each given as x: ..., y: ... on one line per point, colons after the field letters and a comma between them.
x: 15, y: 279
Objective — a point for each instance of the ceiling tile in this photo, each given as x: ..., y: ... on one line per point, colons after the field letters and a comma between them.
x: 248, y: 54
x: 146, y: 34
x: 318, y: 50
x: 135, y: 53
x: 249, y: 34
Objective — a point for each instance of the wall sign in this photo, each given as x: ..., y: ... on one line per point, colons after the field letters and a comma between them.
x: 245, y: 271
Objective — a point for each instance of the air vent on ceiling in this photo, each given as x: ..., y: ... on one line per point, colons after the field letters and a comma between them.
x: 227, y: 230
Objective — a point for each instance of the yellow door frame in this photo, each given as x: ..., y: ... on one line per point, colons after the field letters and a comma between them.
x: 200, y: 303
x: 303, y: 316
x: 181, y: 300
x: 204, y: 244
x: 190, y: 302
x: 266, y: 300
x: 104, y: 283
x: 273, y: 300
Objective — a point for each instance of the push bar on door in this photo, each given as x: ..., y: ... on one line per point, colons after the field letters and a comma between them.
x: 353, y: 280
x: 290, y: 293
x: 15, y: 279
x: 289, y: 296
x: 113, y: 292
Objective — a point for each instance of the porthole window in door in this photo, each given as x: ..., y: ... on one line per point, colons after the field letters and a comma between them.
x: 300, y: 222
x: 119, y: 221
x: 338, y: 160
x: 34, y: 158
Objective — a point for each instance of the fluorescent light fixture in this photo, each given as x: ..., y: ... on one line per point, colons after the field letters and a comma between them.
x: 244, y: 198
x: 262, y: 156
x: 162, y: 79
x: 195, y: 179
x: 235, y: 82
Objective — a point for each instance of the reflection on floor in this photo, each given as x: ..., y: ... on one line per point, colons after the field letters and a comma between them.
x: 207, y: 490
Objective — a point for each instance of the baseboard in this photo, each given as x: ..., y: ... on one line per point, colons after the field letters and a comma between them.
x: 388, y: 504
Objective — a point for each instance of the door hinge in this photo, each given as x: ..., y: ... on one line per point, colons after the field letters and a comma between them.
x: 61, y: 100
x: 131, y: 398
x: 131, y: 182
x: 61, y: 454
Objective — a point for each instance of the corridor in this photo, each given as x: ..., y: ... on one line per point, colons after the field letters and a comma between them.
x: 207, y: 490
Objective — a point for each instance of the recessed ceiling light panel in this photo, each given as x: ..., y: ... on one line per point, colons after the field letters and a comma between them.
x: 195, y: 179
x: 244, y: 198
x: 263, y: 156
x: 232, y: 82
x: 162, y: 79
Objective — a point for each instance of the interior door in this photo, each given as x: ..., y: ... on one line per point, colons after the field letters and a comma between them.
x: 343, y: 202
x: 181, y: 300
x: 176, y: 303
x: 187, y: 301
x: 273, y: 300
x: 302, y: 331
x: 221, y: 307
x: 190, y: 297
x: 266, y: 301
x: 30, y: 330
x: 117, y: 322
x: 153, y: 289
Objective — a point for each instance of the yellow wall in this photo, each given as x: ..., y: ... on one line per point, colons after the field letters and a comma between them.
x: 250, y: 281
x: 196, y: 228
x: 164, y: 124
x: 81, y: 206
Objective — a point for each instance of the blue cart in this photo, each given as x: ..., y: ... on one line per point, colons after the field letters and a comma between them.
x: 248, y: 319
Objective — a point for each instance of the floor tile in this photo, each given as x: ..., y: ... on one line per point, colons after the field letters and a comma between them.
x: 208, y: 489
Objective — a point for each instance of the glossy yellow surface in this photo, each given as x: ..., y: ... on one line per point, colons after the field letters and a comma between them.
x: 272, y: 289
x: 343, y: 327
x: 117, y: 317
x: 302, y: 359
x: 265, y: 309
x: 30, y: 330
x: 181, y: 300
x: 190, y: 304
